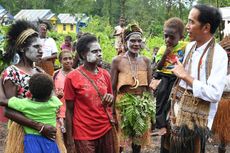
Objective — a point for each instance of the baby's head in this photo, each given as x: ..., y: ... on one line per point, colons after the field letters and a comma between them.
x: 41, y: 86
x: 173, y: 31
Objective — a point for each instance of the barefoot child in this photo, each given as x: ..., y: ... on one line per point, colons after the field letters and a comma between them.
x: 41, y: 108
x: 164, y: 78
x: 66, y: 60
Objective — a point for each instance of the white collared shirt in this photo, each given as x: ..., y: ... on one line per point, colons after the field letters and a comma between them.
x: 48, y: 46
x: 212, y: 89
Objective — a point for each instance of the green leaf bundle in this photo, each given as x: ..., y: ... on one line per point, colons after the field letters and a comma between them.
x: 137, y: 111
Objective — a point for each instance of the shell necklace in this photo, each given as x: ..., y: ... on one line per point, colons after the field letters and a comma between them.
x: 134, y: 69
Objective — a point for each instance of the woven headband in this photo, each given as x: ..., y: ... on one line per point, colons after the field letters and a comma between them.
x: 132, y: 34
x: 24, y: 35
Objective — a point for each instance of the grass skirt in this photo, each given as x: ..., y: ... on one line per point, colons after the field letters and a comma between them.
x: 221, y: 124
x: 15, y: 139
x: 183, y: 139
x: 190, y: 124
x: 143, y: 140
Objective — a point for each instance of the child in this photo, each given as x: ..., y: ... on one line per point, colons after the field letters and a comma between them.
x: 67, y: 45
x: 66, y: 60
x: 41, y: 108
x: 164, y: 78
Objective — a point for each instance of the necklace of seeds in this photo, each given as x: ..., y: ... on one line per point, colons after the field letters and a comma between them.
x: 133, y: 67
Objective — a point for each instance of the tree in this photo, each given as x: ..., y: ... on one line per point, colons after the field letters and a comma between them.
x: 122, y: 4
x: 217, y: 3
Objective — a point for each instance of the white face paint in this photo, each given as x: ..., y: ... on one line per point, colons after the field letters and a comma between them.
x: 134, y: 43
x: 34, y: 51
x: 94, y: 53
x: 91, y: 58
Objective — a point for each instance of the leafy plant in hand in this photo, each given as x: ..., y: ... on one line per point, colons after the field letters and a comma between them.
x: 137, y: 111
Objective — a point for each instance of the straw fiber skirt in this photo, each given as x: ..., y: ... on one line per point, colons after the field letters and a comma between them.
x: 221, y: 124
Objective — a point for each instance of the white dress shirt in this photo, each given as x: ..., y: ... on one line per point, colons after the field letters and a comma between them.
x: 48, y: 47
x: 212, y: 89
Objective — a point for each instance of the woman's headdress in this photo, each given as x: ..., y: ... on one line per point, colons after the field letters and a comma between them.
x: 132, y: 29
x: 18, y: 38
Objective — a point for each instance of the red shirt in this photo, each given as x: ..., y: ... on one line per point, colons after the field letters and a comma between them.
x: 89, y: 118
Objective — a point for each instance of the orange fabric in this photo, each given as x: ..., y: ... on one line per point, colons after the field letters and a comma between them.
x: 47, y: 66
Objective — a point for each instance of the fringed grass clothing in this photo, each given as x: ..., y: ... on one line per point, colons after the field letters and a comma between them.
x: 209, y: 89
x: 125, y: 81
x: 43, y: 112
x: 15, y: 139
x: 196, y: 107
x: 221, y: 124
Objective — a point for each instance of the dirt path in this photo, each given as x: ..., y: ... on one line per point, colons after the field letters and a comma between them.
x: 154, y: 148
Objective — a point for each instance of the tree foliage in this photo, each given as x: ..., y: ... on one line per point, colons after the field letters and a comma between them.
x: 217, y: 3
x: 150, y: 14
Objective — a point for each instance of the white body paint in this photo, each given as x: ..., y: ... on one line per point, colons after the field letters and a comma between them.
x: 94, y: 52
x: 134, y: 43
x: 34, y: 52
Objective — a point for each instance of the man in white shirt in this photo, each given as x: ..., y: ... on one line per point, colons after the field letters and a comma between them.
x: 49, y: 49
x: 202, y: 79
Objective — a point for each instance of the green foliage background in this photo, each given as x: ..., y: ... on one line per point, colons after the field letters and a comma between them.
x: 3, y: 30
x: 100, y: 27
x: 150, y: 14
